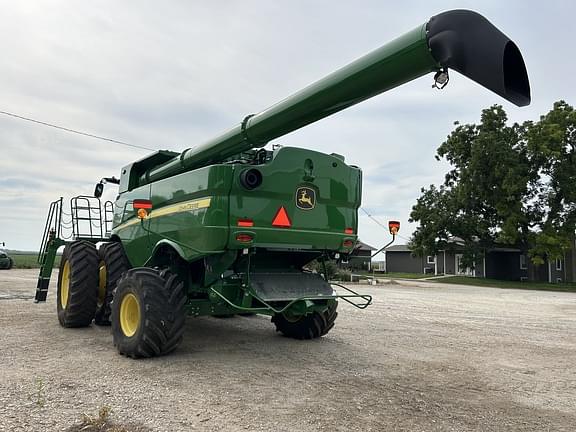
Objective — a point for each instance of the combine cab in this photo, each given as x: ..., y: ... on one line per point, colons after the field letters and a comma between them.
x: 228, y: 227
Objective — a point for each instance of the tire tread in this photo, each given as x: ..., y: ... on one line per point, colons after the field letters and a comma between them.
x: 164, y: 300
x: 83, y: 288
x: 116, y: 263
x: 310, y: 326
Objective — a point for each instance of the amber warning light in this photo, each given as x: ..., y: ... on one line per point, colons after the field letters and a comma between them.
x: 142, y: 206
x: 394, y: 227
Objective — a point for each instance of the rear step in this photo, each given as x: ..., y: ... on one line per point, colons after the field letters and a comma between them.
x: 289, y: 286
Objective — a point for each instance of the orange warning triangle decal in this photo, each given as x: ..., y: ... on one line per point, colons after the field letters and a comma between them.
x: 281, y: 219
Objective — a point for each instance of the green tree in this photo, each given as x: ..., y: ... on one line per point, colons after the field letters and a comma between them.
x: 551, y: 144
x: 487, y: 196
x: 514, y: 185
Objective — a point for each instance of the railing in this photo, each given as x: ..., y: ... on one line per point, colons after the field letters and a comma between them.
x: 367, y: 300
x: 52, y: 228
x: 88, y: 219
x: 108, y: 217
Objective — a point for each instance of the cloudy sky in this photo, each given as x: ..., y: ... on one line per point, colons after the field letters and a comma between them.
x: 172, y: 74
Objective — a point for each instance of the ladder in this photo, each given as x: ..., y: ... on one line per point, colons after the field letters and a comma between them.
x: 89, y: 219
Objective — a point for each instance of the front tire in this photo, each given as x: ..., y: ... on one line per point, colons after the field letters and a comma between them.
x: 309, y: 326
x: 148, y: 313
x: 113, y: 263
x: 77, y: 285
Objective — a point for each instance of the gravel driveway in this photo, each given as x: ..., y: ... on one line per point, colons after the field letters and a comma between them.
x: 424, y: 357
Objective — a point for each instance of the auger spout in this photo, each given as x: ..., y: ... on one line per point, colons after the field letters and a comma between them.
x: 461, y: 40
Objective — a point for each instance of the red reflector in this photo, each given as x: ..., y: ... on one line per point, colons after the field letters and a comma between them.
x: 281, y: 219
x: 348, y: 231
x: 348, y: 243
x: 141, y: 204
x: 245, y: 222
x: 244, y: 238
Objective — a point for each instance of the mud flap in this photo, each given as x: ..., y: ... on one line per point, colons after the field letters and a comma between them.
x: 289, y: 286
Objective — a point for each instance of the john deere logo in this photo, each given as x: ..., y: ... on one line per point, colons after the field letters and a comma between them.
x: 305, y: 198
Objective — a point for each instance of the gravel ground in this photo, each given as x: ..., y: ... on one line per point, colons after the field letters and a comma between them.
x: 424, y: 357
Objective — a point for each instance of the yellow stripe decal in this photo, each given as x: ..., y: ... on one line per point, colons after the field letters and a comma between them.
x: 181, y: 207
x: 186, y: 206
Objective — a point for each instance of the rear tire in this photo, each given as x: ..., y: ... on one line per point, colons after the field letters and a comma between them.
x: 309, y: 326
x: 77, y: 285
x: 10, y: 263
x: 113, y: 263
x: 148, y: 313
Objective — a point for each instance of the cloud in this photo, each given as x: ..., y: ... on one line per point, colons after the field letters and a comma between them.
x: 174, y: 75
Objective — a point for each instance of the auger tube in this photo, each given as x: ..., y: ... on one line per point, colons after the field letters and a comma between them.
x: 461, y: 40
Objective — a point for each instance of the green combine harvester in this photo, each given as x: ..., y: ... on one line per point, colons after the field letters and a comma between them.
x: 228, y: 227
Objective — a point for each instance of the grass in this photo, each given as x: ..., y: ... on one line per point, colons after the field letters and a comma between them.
x: 401, y: 275
x: 39, y: 396
x: 464, y: 280
x: 28, y: 261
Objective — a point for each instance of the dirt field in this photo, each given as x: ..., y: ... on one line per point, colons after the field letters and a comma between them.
x: 424, y: 357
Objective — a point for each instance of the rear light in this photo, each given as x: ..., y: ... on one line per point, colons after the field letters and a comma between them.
x: 394, y: 227
x: 245, y: 223
x: 348, y: 231
x: 348, y: 243
x: 141, y: 204
x: 281, y: 219
x: 244, y: 238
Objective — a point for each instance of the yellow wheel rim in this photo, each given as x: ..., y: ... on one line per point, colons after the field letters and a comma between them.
x: 129, y: 314
x: 101, y: 282
x: 65, y: 285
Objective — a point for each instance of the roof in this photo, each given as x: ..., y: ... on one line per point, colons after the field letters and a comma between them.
x: 405, y: 248
x: 363, y: 246
x: 398, y: 248
x: 504, y: 249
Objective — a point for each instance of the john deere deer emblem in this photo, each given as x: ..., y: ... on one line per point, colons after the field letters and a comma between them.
x: 305, y: 198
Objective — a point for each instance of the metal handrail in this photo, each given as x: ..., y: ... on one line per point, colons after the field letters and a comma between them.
x: 108, y: 217
x: 53, y: 224
x: 346, y: 297
x: 88, y: 209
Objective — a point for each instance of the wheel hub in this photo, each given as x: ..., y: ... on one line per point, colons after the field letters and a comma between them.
x: 129, y: 314
x: 65, y: 285
x: 102, y: 283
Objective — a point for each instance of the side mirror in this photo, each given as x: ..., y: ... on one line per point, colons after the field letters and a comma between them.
x: 98, y: 190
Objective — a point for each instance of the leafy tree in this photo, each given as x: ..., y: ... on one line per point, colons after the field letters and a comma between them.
x: 485, y: 196
x: 552, y: 150
x: 514, y: 185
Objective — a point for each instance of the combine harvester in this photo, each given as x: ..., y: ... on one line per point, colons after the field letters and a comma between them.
x: 228, y: 227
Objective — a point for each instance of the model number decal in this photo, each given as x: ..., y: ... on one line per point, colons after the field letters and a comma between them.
x: 186, y: 206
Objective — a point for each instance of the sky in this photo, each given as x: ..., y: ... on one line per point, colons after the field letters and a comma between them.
x: 173, y: 74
